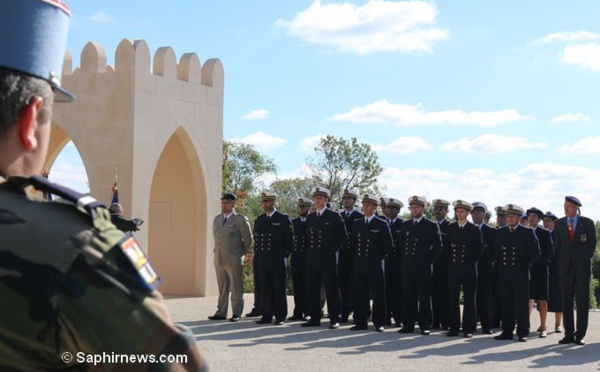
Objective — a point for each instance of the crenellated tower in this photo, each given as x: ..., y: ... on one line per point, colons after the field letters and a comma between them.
x: 160, y: 123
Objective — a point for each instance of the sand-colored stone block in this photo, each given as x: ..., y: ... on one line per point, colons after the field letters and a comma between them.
x: 160, y: 126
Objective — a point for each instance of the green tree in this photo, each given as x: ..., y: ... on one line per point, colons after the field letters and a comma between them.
x: 243, y: 165
x: 339, y: 163
x: 288, y: 190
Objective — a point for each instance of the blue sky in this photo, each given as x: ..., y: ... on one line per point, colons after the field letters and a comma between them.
x: 478, y: 100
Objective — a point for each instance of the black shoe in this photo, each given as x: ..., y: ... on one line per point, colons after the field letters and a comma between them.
x: 406, y: 330
x: 567, y: 340
x: 278, y: 322
x: 425, y: 332
x: 307, y: 318
x: 436, y: 326
x: 467, y: 335
x: 295, y: 318
x: 379, y: 329
x: 388, y: 322
x: 580, y: 342
x: 504, y: 336
x: 344, y: 319
x: 334, y: 326
x: 522, y: 339
x: 487, y: 331
x: 216, y: 317
x: 311, y: 324
x: 253, y: 313
x: 452, y: 334
x: 263, y: 321
x: 235, y: 318
x: 359, y: 327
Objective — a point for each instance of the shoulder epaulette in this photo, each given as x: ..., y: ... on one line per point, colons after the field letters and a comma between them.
x: 81, y: 200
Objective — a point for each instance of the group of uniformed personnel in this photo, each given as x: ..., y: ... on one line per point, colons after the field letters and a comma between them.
x: 384, y: 268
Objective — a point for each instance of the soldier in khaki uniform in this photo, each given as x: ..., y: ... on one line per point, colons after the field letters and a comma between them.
x: 74, y: 285
x: 233, y: 240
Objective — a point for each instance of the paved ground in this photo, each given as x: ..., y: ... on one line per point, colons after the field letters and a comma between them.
x: 246, y: 346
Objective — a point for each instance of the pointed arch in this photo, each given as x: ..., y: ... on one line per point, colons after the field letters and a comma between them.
x: 178, y: 217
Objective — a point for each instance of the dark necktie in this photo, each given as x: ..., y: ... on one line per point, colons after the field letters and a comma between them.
x: 366, y: 221
x: 571, y: 229
x: 224, y: 220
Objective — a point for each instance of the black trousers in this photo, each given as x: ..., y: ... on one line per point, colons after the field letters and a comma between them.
x: 257, y: 292
x: 484, y: 300
x: 468, y: 280
x: 298, y: 263
x: 325, y: 274
x: 369, y: 282
x: 273, y: 292
x: 396, y: 287
x: 416, y: 290
x: 389, y: 290
x: 576, y: 282
x: 439, y: 295
x: 345, y: 274
x: 514, y: 296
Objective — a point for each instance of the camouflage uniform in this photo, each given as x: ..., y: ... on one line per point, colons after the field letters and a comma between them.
x: 71, y: 282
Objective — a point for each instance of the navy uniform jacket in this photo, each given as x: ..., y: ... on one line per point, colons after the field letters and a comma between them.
x: 464, y: 247
x: 349, y: 223
x: 577, y: 252
x: 546, y: 245
x: 396, y: 229
x: 420, y: 245
x: 273, y: 239
x: 326, y: 235
x: 515, y: 252
x: 486, y: 262
x: 370, y: 242
x: 300, y: 239
x: 443, y: 257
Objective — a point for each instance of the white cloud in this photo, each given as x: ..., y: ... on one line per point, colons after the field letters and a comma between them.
x: 570, y: 117
x: 102, y: 17
x: 491, y: 143
x: 543, y: 185
x: 377, y: 26
x: 588, y: 145
x: 309, y: 143
x: 261, y: 141
x: 403, y: 114
x: 572, y: 36
x: 404, y: 145
x: 257, y: 114
x: 584, y: 55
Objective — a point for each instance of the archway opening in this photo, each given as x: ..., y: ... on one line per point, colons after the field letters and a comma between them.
x: 64, y: 162
x: 177, y: 219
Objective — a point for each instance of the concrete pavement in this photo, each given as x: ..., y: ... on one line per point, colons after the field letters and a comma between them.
x: 246, y: 346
